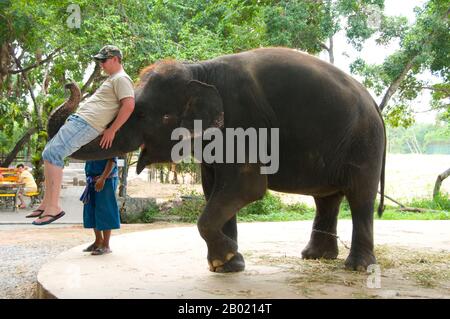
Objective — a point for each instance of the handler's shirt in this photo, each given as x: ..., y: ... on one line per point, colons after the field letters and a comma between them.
x: 102, y: 107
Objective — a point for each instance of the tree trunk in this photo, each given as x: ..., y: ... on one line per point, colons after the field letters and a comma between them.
x: 439, y: 180
x: 396, y: 84
x: 37, y: 107
x: 94, y: 75
x: 331, y: 51
x: 123, y: 178
x: 175, y: 173
x: 23, y: 141
x: 161, y: 176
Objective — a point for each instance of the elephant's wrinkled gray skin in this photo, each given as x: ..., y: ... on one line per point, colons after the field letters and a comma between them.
x: 332, y: 142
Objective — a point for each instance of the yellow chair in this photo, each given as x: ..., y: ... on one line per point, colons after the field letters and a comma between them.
x: 35, y: 197
x: 9, y: 199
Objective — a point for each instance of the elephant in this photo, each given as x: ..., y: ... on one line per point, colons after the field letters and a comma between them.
x: 331, y: 144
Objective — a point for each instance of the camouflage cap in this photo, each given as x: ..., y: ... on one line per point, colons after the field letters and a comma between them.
x: 108, y: 51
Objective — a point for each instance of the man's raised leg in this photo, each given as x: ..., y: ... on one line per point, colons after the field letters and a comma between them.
x: 53, y: 181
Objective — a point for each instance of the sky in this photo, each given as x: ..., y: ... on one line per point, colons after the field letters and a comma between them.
x: 345, y: 54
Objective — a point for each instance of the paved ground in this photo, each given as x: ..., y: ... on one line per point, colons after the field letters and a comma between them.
x: 413, y: 253
x: 141, y: 267
x: 70, y: 202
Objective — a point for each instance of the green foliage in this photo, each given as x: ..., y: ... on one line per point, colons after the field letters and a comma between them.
x: 399, y: 115
x: 419, y: 138
x: 146, y: 31
x: 145, y: 217
x: 297, y: 24
x: 307, y: 25
x: 270, y: 208
x: 440, y: 202
x: 150, y: 213
x: 189, y: 210
x: 394, y: 214
x: 268, y: 204
x: 194, y: 30
x: 424, y: 45
x: 391, y: 28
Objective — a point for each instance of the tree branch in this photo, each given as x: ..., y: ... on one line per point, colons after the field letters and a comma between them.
x: 447, y: 92
x: 94, y: 74
x: 28, y: 68
x: 324, y: 46
x: 393, y: 200
x: 439, y: 180
x: 19, y: 145
x: 396, y: 84
x: 30, y: 89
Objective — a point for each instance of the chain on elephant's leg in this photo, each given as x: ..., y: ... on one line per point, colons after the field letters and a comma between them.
x: 323, y: 241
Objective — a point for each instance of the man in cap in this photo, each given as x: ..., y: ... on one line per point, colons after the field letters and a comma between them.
x: 113, y: 99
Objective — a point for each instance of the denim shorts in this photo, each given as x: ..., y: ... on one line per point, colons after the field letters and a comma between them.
x: 75, y: 133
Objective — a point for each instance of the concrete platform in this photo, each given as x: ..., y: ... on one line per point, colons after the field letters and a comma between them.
x: 171, y: 263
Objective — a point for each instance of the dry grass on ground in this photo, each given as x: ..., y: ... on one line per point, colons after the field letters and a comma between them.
x: 405, y: 273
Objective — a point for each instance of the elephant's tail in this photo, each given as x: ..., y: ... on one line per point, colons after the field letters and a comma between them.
x: 381, y: 205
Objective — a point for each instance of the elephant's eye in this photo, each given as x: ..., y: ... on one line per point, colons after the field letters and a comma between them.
x: 166, y: 118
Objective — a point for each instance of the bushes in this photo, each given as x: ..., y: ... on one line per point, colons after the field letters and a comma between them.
x: 271, y: 208
x: 268, y: 204
x: 440, y: 202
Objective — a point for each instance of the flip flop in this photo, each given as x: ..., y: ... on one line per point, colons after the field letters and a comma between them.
x: 101, y: 251
x: 41, y: 211
x: 90, y: 248
x: 51, y: 220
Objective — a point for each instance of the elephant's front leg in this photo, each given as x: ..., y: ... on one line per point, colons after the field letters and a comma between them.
x: 217, y: 224
x: 223, y: 255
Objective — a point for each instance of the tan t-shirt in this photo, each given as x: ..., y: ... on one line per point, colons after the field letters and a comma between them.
x: 27, y: 178
x: 102, y: 107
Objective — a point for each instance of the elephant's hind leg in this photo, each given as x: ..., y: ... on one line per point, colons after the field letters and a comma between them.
x: 323, y: 244
x: 361, y: 252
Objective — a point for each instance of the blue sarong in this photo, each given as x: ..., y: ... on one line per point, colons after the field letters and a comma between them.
x: 100, y: 210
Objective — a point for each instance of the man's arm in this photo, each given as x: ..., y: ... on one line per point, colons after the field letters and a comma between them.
x: 126, y: 108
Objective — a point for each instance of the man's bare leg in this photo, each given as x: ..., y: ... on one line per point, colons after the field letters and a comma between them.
x: 38, y: 211
x: 98, y: 238
x: 53, y: 180
x: 106, y: 236
x: 22, y: 201
x: 46, y: 191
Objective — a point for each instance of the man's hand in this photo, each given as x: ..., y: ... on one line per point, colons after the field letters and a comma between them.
x: 99, y: 184
x: 108, y: 137
x: 127, y: 107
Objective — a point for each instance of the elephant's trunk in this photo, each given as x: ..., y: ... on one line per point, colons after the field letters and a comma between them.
x: 61, y: 113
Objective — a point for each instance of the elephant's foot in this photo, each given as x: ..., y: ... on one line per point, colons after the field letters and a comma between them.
x: 359, y: 262
x: 234, y: 263
x: 321, y: 247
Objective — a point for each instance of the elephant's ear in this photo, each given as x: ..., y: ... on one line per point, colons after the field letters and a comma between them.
x: 204, y: 103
